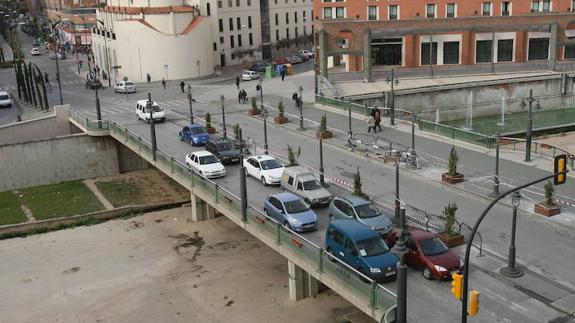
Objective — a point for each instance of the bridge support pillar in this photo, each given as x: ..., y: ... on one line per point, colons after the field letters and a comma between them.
x: 198, y: 208
x: 210, y: 212
x: 301, y: 284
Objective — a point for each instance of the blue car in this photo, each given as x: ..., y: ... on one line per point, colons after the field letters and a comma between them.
x: 195, y: 134
x: 362, y: 248
x: 290, y: 210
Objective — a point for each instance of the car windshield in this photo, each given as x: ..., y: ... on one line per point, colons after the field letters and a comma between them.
x: 210, y: 159
x: 4, y: 97
x: 197, y: 130
x: 296, y: 206
x: 155, y: 108
x: 433, y: 246
x: 372, y: 247
x: 223, y: 146
x: 367, y: 211
x: 270, y: 164
x: 129, y: 84
x: 311, y: 185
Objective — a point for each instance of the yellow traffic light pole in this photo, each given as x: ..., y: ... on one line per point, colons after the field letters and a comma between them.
x: 558, y: 171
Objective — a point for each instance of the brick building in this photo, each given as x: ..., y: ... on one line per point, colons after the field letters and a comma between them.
x: 414, y: 33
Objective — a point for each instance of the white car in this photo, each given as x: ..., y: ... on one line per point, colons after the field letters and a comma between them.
x: 307, y: 53
x: 35, y: 51
x: 206, y: 164
x: 5, y: 100
x: 125, y: 87
x: 265, y: 168
x: 143, y: 113
x: 250, y: 75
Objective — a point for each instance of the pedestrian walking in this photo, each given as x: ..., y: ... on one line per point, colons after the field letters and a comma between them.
x: 97, y: 70
x: 244, y: 96
x: 370, y: 124
x: 377, y: 119
x: 148, y: 77
x: 258, y: 89
x: 164, y: 83
x: 238, y: 82
x: 182, y: 85
x: 240, y: 96
x: 283, y: 73
x: 81, y: 63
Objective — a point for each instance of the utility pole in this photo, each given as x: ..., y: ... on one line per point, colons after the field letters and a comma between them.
x: 496, y: 176
x: 396, y: 219
x: 392, y: 80
x: 528, y: 135
x: 222, y: 100
x: 152, y: 125
x: 105, y: 32
x: 189, y: 89
x: 400, y: 250
x: 299, y: 103
x: 321, y: 174
x: 511, y: 270
x: 98, y: 110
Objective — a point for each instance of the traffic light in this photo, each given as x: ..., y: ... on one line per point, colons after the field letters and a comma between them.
x: 473, y: 303
x: 560, y: 165
x: 457, y: 285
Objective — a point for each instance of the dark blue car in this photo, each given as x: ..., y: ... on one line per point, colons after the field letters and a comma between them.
x: 195, y: 134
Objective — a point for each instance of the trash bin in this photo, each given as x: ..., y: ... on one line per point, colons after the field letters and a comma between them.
x: 279, y: 69
x: 289, y: 69
x: 270, y: 72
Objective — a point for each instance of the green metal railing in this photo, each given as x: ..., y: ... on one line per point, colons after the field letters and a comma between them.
x: 457, y: 133
x: 361, y: 109
x: 326, y: 268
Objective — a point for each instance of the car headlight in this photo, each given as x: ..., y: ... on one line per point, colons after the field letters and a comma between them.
x: 296, y: 222
x: 439, y: 268
x: 375, y: 270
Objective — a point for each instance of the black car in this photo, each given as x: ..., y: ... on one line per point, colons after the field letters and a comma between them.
x: 93, y: 84
x: 223, y: 150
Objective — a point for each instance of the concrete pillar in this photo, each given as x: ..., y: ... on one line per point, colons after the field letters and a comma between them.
x: 367, y: 77
x: 323, y: 53
x: 210, y: 212
x: 553, y: 47
x: 198, y: 208
x: 301, y: 284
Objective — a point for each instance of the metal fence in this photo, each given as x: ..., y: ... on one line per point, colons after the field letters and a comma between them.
x: 361, y: 109
x: 457, y: 133
x: 379, y: 146
x: 328, y: 269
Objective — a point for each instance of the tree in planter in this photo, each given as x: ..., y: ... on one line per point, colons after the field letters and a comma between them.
x: 237, y: 130
x: 453, y: 159
x: 549, y: 191
x: 293, y: 156
x: 357, y: 184
x: 281, y: 109
x: 208, y: 120
x: 322, y: 131
x: 254, y: 103
x: 323, y: 123
x: 449, y: 214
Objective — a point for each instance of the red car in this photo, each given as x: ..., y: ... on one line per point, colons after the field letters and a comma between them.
x: 429, y: 254
x: 280, y: 61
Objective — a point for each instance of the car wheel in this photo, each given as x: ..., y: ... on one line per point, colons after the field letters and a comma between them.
x: 427, y: 273
x: 330, y: 257
x: 264, y: 181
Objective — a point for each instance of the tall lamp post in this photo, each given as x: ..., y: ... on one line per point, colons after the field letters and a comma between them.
x: 496, y: 176
x: 413, y: 120
x: 189, y: 90
x: 265, y: 115
x: 222, y: 100
x: 106, y: 50
x: 56, y: 53
x: 400, y: 250
x: 98, y: 110
x: 393, y: 81
x: 152, y: 125
x: 511, y: 270
x: 299, y: 103
x: 528, y: 135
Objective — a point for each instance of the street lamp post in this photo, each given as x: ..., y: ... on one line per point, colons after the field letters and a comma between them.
x: 400, y: 250
x: 299, y: 103
x: 189, y: 89
x: 265, y: 113
x: 511, y: 270
x: 106, y: 49
x: 152, y: 125
x: 528, y: 135
x: 321, y: 174
x: 393, y: 81
x: 56, y: 53
x: 413, y: 120
x: 496, y: 176
x: 98, y: 110
x: 222, y: 100
x: 396, y: 219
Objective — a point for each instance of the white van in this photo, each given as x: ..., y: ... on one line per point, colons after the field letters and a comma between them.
x: 144, y: 114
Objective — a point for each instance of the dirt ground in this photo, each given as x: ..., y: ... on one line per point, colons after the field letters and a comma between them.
x: 153, y: 184
x: 158, y: 267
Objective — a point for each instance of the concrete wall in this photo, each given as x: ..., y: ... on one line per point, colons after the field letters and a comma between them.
x: 47, y: 127
x: 55, y: 160
x: 128, y: 160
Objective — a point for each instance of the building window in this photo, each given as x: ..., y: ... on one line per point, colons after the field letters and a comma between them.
x: 239, y: 23
x: 569, y: 52
x: 287, y: 33
x: 486, y: 8
x: 239, y: 40
x: 393, y: 12
x: 277, y: 34
x: 534, y: 5
x: 573, y: 5
x: 287, y: 17
x: 237, y: 3
x: 295, y: 17
x: 251, y: 39
x: 304, y: 18
x: 249, y: 3
x: 372, y: 13
x: 250, y: 22
x: 425, y: 53
x: 296, y: 32
x: 233, y: 56
x: 483, y: 51
x: 450, y: 10
x: 304, y: 30
x: 506, y: 8
x: 221, y: 40
x: 231, y: 23
x: 221, y: 25
x: 275, y: 1
x: 538, y: 49
x: 230, y: 4
x: 451, y: 52
x: 327, y: 13
x: 276, y: 19
x: 220, y: 4
x: 208, y: 9
x: 430, y: 10
x: 215, y: 46
x: 505, y: 50
x: 232, y: 44
x: 340, y: 12
x: 326, y: 0
x: 546, y: 6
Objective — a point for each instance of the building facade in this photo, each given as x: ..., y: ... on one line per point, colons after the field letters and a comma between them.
x: 77, y: 16
x: 407, y: 33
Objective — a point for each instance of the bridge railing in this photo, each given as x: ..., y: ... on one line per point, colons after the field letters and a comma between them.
x: 327, y: 268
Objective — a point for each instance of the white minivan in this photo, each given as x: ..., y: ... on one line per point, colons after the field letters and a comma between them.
x: 143, y: 113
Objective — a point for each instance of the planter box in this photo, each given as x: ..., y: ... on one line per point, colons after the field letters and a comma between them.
x: 280, y: 120
x: 211, y: 130
x: 457, y: 178
x: 323, y: 134
x: 451, y: 241
x: 546, y: 210
x: 254, y: 112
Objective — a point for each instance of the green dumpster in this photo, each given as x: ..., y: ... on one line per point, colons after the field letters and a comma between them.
x: 270, y: 71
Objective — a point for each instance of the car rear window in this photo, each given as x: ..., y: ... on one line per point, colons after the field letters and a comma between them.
x: 4, y: 97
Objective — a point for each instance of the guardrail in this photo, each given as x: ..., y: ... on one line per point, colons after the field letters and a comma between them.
x: 314, y: 259
x: 539, y: 148
x: 457, y: 133
x: 361, y: 109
